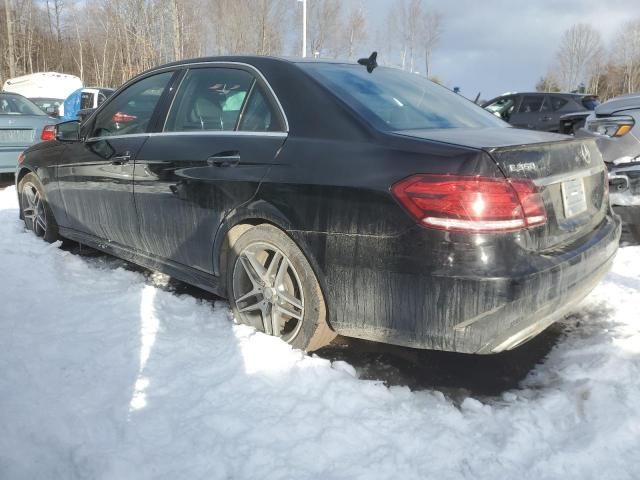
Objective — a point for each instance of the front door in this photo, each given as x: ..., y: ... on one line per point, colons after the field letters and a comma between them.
x: 96, y: 179
x: 219, y: 140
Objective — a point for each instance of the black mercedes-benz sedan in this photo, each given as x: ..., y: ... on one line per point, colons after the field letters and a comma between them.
x: 326, y: 198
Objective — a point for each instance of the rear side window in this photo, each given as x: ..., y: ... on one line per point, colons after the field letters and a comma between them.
x: 258, y: 114
x: 209, y: 99
x: 553, y: 104
x: 395, y: 100
x: 530, y: 104
x: 131, y: 111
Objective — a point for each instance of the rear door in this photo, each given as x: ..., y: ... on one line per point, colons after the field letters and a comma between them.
x: 96, y: 178
x: 528, y: 112
x: 221, y: 136
x: 550, y: 113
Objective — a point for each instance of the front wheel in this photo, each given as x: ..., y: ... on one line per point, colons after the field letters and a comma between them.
x: 35, y: 209
x: 272, y: 287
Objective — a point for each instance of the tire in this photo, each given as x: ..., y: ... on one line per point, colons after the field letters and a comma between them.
x: 635, y: 232
x: 272, y: 287
x: 35, y: 210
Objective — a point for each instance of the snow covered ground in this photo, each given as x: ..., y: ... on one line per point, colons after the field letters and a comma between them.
x: 104, y: 374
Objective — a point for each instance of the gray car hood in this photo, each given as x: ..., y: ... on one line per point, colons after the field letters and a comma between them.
x: 626, y: 102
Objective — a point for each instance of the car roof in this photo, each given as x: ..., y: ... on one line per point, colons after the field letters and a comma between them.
x: 569, y: 94
x: 251, y: 60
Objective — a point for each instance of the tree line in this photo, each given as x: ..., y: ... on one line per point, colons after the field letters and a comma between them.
x: 106, y: 42
x: 585, y: 64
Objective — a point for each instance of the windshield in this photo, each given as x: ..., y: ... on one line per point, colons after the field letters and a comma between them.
x: 396, y: 100
x: 17, y: 105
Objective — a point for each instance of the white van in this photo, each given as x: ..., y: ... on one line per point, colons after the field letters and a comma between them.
x: 51, y: 85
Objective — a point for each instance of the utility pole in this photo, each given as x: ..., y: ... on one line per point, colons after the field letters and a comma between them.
x: 304, y: 27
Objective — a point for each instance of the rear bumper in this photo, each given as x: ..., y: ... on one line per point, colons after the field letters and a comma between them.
x: 396, y: 299
x: 9, y: 158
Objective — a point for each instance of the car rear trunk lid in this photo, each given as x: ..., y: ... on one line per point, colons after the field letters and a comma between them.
x: 571, y: 178
x: 569, y: 173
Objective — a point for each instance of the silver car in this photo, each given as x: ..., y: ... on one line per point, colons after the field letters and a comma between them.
x: 21, y: 125
x: 616, y: 126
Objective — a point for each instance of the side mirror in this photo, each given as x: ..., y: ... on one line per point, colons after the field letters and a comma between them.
x: 52, y: 112
x: 68, y: 131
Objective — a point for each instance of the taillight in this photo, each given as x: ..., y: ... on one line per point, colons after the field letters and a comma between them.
x: 120, y: 117
x: 21, y: 158
x: 48, y: 133
x: 471, y: 204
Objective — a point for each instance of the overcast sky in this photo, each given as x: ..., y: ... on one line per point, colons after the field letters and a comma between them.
x: 495, y: 46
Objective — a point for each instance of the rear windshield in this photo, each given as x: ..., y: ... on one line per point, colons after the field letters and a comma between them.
x: 17, y: 105
x: 396, y: 100
x: 590, y: 103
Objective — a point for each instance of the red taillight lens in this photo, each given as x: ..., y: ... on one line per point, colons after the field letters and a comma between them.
x: 120, y: 117
x: 21, y: 158
x: 471, y: 204
x: 48, y: 133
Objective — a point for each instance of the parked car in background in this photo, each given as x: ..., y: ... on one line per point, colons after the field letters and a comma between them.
x: 85, y: 100
x: 22, y: 124
x: 49, y: 85
x: 537, y: 110
x: 50, y: 106
x: 398, y: 212
x: 615, y: 125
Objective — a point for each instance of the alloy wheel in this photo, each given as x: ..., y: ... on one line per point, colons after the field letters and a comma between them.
x: 33, y: 209
x: 267, y: 291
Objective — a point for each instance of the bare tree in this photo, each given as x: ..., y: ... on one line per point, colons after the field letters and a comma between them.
x: 355, y: 31
x: 576, y: 53
x: 11, y: 50
x: 325, y: 18
x: 431, y: 33
x: 414, y: 31
x: 627, y: 53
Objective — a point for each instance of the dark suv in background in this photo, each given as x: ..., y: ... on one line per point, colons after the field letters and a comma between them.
x: 540, y: 111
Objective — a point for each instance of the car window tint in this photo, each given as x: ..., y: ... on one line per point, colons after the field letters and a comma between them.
x: 553, y: 104
x: 209, y: 99
x: 259, y: 115
x: 86, y: 100
x: 397, y: 100
x: 131, y: 111
x: 530, y: 104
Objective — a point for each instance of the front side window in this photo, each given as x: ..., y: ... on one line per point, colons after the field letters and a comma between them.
x: 531, y: 104
x: 131, y: 111
x: 502, y: 107
x: 209, y: 99
x: 397, y: 100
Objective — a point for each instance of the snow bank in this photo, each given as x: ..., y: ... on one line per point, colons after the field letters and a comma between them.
x: 103, y: 375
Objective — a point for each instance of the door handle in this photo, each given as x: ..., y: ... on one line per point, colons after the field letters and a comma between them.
x: 224, y: 159
x: 121, y: 159
x: 546, y: 119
